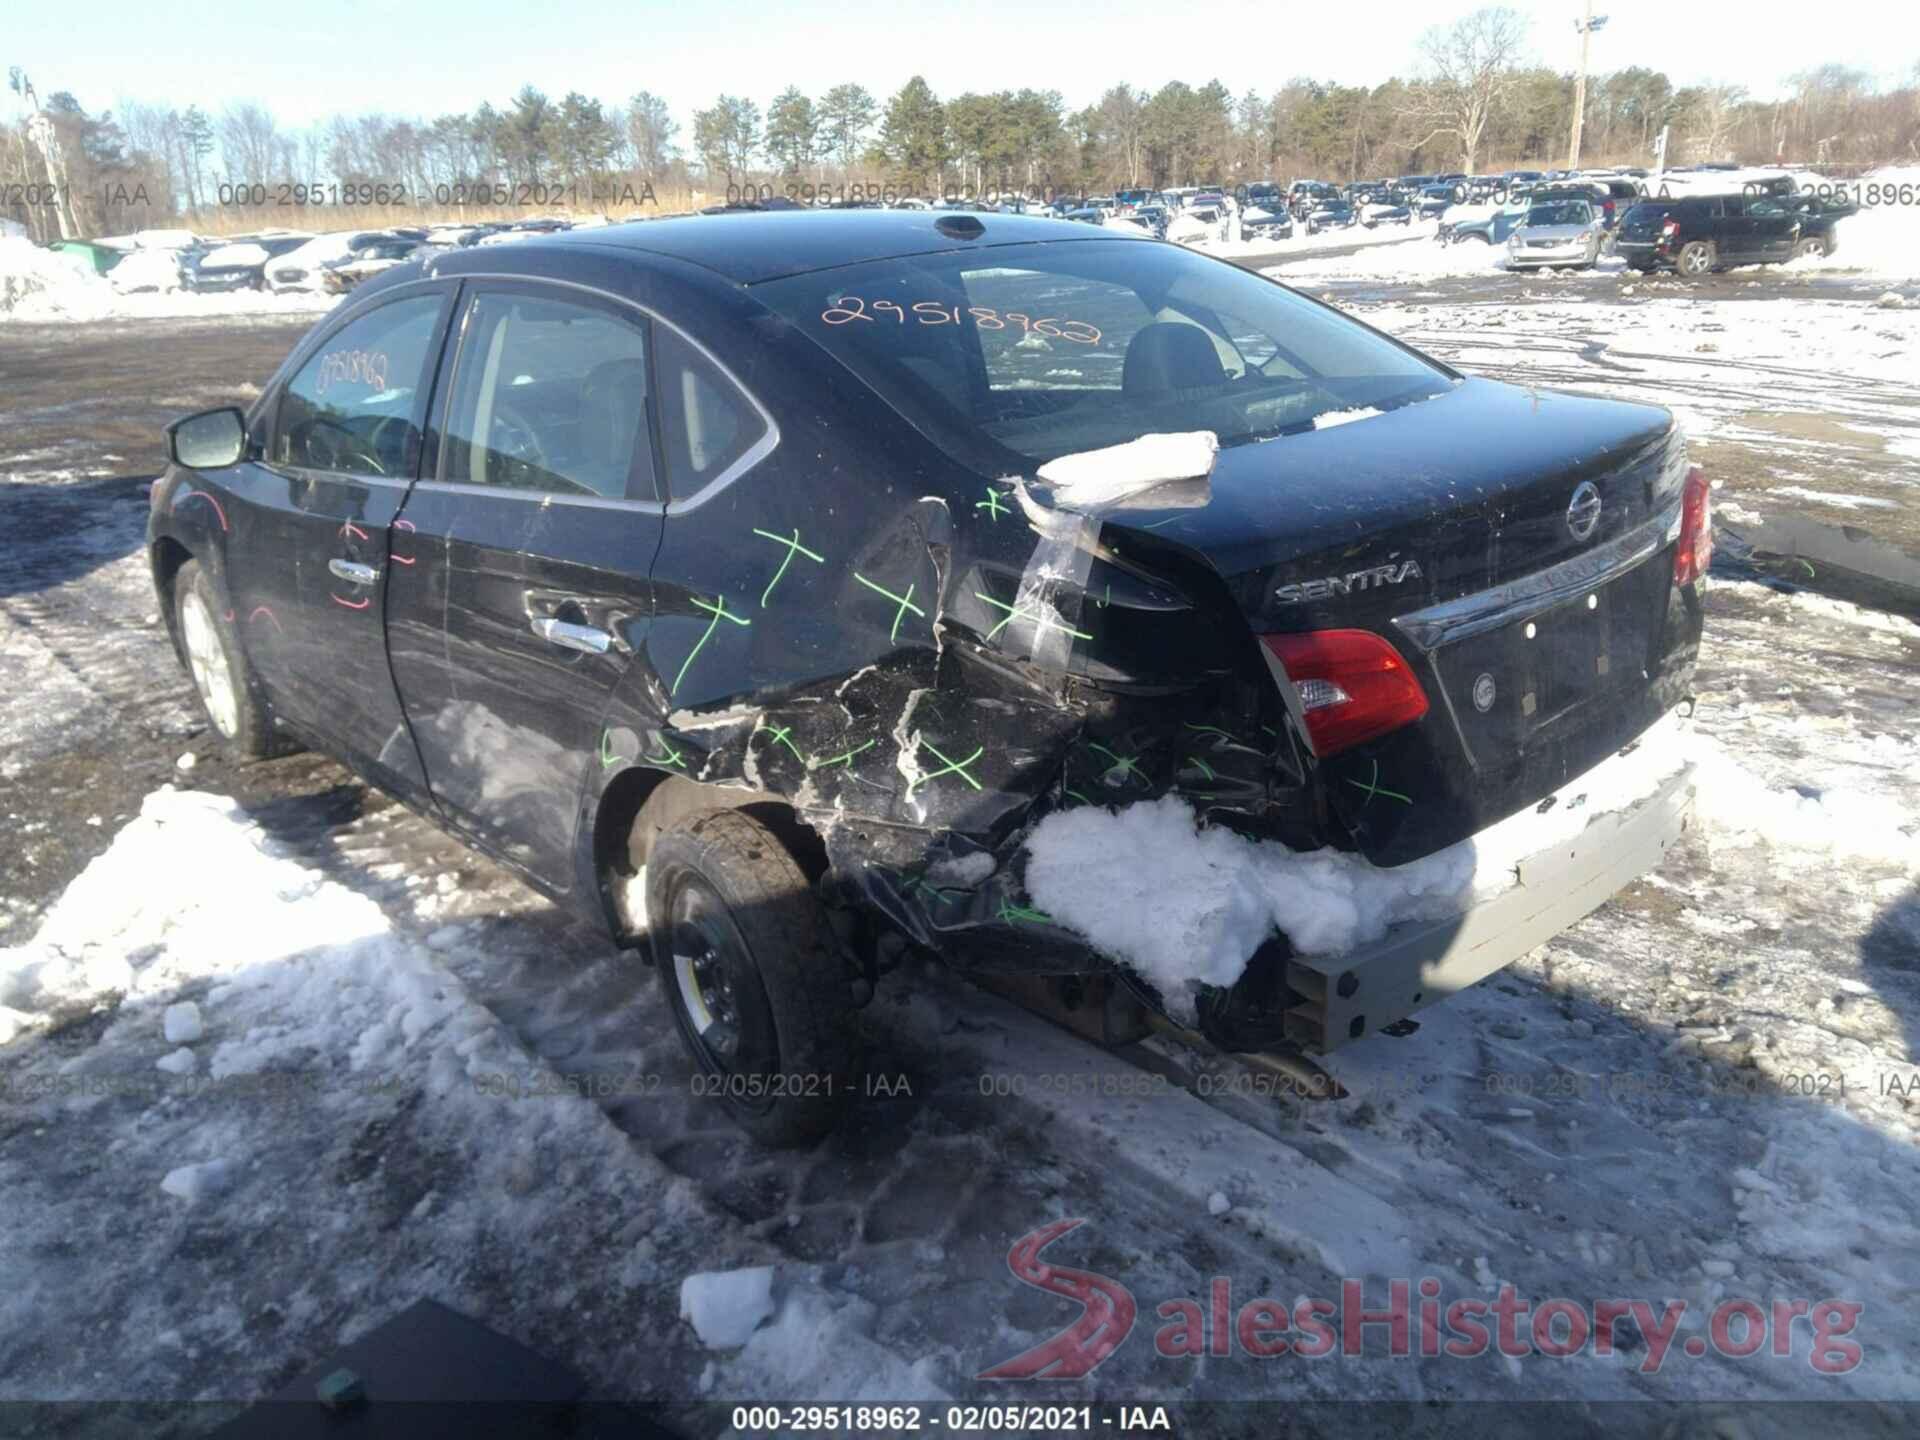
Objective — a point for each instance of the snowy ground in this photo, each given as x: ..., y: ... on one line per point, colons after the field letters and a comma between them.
x: 412, y: 1077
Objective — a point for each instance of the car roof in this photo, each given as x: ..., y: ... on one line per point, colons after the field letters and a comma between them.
x: 750, y: 248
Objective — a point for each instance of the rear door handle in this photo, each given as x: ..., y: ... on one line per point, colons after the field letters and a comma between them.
x: 352, y: 570
x: 573, y: 637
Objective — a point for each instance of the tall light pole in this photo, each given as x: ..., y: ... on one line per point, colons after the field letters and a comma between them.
x: 1586, y: 27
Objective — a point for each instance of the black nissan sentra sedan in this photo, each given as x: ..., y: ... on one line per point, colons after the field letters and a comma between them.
x: 745, y: 583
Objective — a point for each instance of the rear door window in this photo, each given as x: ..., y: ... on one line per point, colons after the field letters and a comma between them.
x: 550, y: 394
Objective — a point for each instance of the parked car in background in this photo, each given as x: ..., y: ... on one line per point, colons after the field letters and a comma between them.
x: 1492, y: 228
x: 300, y: 268
x: 1129, y: 200
x: 635, y: 602
x: 1695, y: 235
x: 1155, y: 217
x: 1558, y: 233
x: 1820, y: 217
x: 1333, y: 213
x: 1387, y: 212
x: 1304, y: 196
x: 1259, y: 223
x: 1436, y: 199
x: 339, y: 276
x: 240, y: 264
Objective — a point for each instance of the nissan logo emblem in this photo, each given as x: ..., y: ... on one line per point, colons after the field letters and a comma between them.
x: 1583, y: 511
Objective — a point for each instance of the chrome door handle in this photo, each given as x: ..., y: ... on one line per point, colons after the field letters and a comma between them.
x: 352, y: 570
x: 573, y: 637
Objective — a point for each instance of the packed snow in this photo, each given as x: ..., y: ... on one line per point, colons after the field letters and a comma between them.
x: 1094, y: 478
x: 43, y: 285
x: 726, y: 1308
x: 1218, y: 896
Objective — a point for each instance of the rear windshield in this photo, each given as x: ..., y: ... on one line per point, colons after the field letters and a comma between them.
x: 1014, y: 355
x: 1646, y: 212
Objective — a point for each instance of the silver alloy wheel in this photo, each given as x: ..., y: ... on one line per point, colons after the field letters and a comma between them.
x: 1694, y: 259
x: 207, y: 658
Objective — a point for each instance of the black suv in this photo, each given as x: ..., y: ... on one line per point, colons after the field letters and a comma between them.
x: 1820, y: 217
x: 1698, y: 234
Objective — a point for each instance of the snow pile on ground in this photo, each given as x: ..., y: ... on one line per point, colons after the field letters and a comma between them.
x: 42, y: 285
x: 1882, y: 241
x: 33, y: 277
x: 1218, y: 896
x: 1101, y: 477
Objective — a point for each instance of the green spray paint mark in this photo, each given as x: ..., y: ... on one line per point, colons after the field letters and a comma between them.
x: 1107, y: 598
x: 793, y: 546
x: 1016, y: 914
x: 719, y: 612
x: 905, y: 602
x: 1158, y: 523
x: 845, y: 759
x: 1373, y: 787
x: 668, y: 756
x: 1021, y: 612
x: 1125, y: 763
x: 608, y: 758
x: 1211, y: 730
x: 1205, y: 769
x: 993, y: 505
x: 1075, y: 794
x: 782, y: 735
x: 953, y: 767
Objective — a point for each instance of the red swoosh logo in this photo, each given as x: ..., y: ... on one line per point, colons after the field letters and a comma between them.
x: 1107, y: 1313
x: 352, y: 604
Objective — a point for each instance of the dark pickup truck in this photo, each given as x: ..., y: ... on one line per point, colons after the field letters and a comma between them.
x: 757, y: 586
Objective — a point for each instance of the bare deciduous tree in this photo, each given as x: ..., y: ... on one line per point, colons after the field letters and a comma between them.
x: 1471, y: 65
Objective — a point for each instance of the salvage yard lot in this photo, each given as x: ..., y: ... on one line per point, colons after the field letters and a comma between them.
x: 1703, y: 1092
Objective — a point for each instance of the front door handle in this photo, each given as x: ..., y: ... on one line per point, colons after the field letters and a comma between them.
x: 354, y: 571
x: 573, y: 637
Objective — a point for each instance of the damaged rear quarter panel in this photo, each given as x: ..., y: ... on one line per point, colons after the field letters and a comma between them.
x: 879, y: 636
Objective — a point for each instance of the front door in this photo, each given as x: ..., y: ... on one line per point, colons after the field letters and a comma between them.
x: 341, y: 453
x: 523, y: 592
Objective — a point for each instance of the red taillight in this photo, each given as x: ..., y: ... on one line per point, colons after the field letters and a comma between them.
x: 1695, y: 553
x: 1352, y: 683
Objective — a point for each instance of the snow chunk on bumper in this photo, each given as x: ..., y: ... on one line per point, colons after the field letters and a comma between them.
x: 1216, y: 896
x: 1108, y: 476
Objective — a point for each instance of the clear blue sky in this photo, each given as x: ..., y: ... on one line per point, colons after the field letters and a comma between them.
x: 309, y: 61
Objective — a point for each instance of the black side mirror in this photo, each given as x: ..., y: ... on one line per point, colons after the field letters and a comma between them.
x: 209, y: 440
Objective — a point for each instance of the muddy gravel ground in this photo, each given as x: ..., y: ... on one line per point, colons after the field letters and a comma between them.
x: 1688, y: 1160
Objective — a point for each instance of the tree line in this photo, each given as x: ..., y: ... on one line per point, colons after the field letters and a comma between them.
x: 1477, y: 101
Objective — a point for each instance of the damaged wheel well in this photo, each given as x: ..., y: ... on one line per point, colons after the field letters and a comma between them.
x: 640, y: 803
x: 168, y: 556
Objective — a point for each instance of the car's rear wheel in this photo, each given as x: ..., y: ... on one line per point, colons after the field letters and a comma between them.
x: 756, y: 985
x: 1696, y: 258
x: 229, y: 693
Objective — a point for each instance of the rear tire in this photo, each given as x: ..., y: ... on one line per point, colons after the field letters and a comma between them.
x: 230, y: 693
x: 756, y: 985
x: 1696, y: 258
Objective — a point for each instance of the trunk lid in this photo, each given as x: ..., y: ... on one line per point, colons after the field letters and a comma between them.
x: 1450, y: 527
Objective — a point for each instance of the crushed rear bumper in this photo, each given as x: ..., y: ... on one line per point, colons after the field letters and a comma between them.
x: 1345, y: 997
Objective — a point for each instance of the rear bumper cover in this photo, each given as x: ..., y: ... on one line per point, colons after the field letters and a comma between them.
x: 1346, y: 997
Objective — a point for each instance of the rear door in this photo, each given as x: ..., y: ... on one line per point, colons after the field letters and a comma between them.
x: 342, y: 451
x: 523, y: 594
x: 1773, y: 227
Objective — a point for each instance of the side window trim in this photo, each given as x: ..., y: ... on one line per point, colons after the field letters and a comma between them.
x: 752, y: 456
